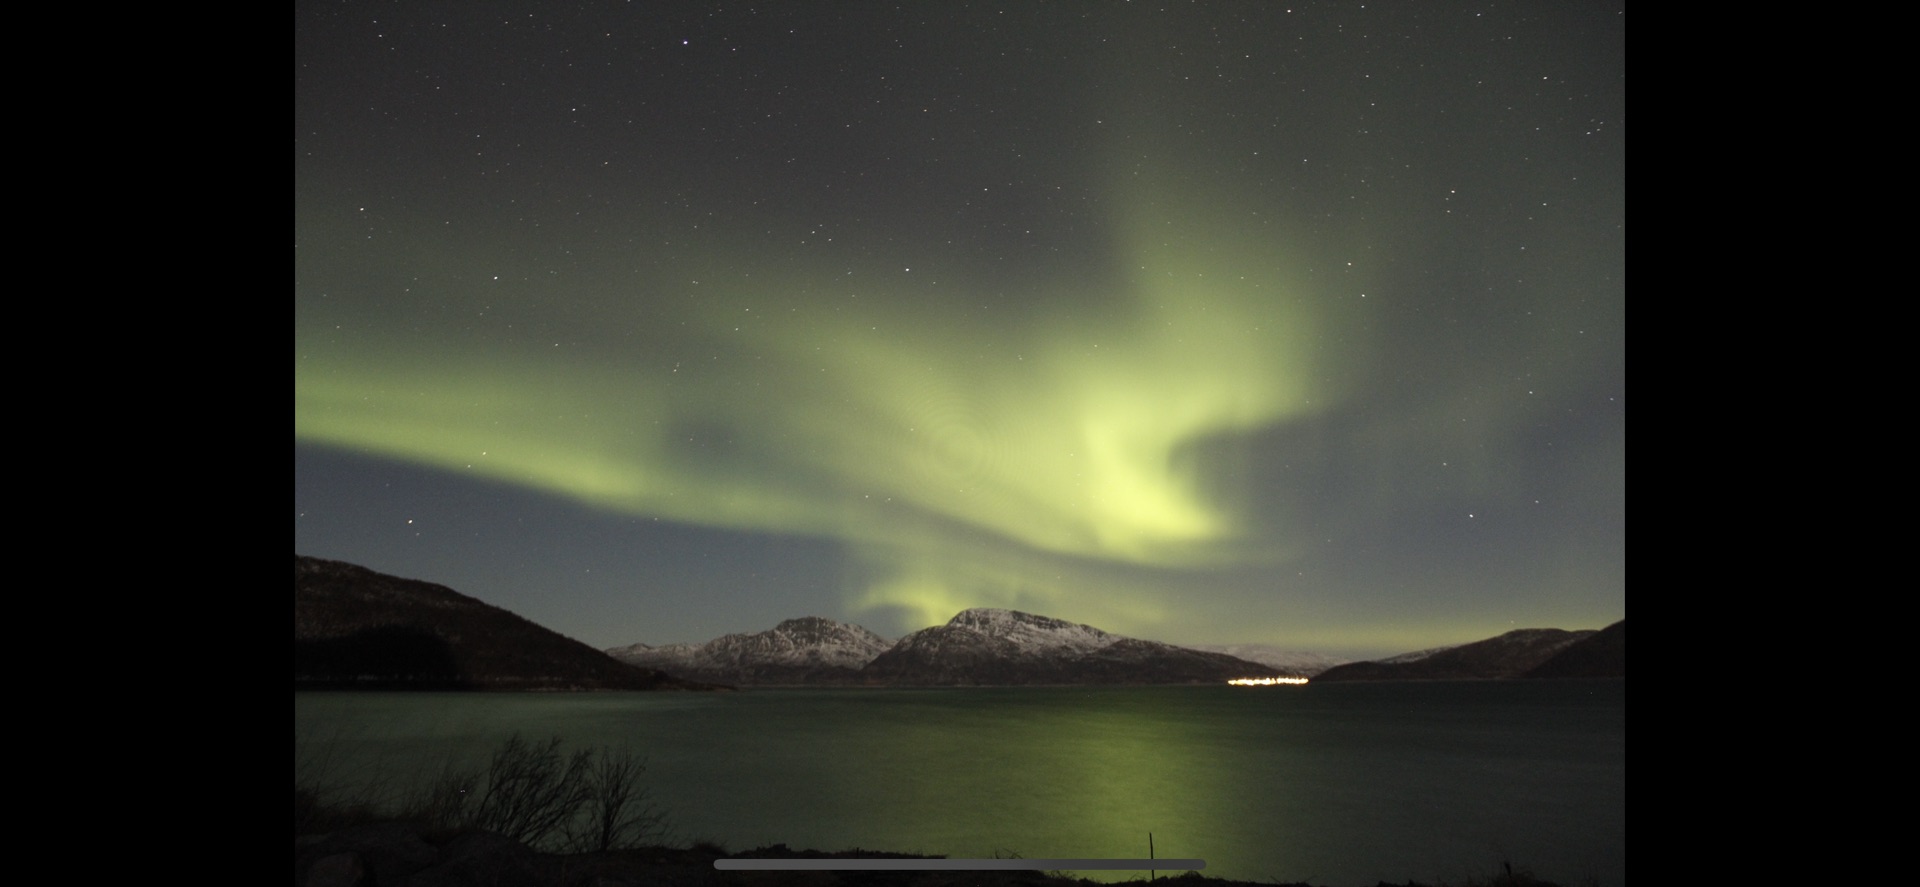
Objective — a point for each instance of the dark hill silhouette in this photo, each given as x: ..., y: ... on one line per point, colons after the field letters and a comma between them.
x: 355, y: 628
x: 1508, y: 656
x: 1603, y: 655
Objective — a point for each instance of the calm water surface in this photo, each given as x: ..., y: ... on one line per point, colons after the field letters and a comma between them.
x: 1337, y: 784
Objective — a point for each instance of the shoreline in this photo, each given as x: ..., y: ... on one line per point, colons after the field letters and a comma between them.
x: 399, y: 854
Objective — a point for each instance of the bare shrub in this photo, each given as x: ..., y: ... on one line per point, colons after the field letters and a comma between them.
x: 536, y: 793
x: 443, y: 803
x: 533, y: 790
x: 329, y: 794
x: 619, y: 812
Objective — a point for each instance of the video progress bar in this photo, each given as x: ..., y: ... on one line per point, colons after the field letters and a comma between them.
x: 956, y: 865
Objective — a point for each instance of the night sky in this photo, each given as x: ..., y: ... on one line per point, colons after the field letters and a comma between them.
x: 1215, y: 322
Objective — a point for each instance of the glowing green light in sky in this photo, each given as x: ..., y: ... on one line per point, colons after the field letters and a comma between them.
x: 950, y: 448
x: 1151, y: 326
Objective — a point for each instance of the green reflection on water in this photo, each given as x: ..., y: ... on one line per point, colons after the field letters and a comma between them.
x: 1334, y: 784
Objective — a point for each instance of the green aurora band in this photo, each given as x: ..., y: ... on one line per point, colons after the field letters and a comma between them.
x: 1161, y: 326
x: 984, y: 457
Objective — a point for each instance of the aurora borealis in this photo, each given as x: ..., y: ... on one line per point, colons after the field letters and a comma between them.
x: 1201, y: 322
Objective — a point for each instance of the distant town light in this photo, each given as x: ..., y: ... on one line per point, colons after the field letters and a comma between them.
x: 1265, y: 682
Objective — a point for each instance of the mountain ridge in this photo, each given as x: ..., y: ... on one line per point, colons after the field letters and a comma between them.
x: 980, y: 646
x: 356, y: 628
x: 805, y: 650
x: 993, y: 647
x: 1515, y: 654
x: 1600, y: 655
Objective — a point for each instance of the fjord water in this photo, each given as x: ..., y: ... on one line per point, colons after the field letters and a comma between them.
x: 1336, y: 784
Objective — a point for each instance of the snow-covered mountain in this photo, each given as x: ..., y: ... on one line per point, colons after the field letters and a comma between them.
x: 1032, y: 635
x: 1416, y: 655
x: 1289, y: 661
x: 983, y: 647
x: 978, y: 647
x: 808, y: 650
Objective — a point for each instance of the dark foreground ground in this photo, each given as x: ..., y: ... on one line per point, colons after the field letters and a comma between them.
x: 400, y: 855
